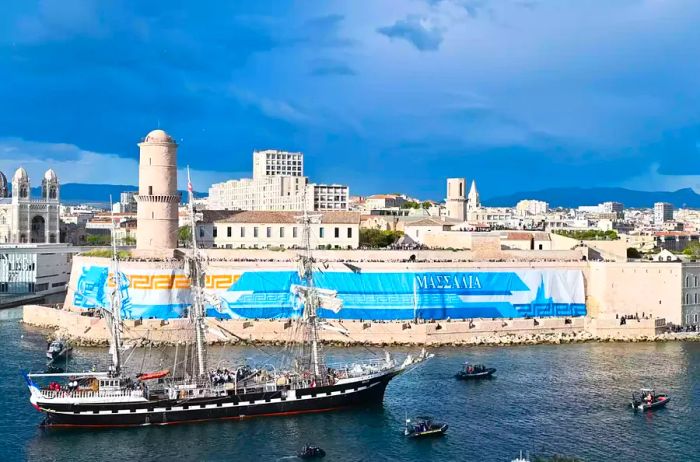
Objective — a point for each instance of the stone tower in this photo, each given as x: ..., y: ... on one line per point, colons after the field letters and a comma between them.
x: 456, y: 198
x: 158, y: 199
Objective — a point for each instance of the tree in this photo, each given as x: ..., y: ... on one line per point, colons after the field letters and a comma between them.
x: 410, y: 205
x: 589, y: 234
x: 426, y: 204
x: 376, y: 238
x: 692, y: 250
x: 129, y: 240
x: 184, y: 234
x: 98, y: 239
x: 633, y: 253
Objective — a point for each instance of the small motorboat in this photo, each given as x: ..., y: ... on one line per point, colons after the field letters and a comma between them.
x: 647, y: 399
x: 471, y: 372
x: 311, y: 452
x: 521, y: 458
x: 58, y: 350
x: 424, y: 426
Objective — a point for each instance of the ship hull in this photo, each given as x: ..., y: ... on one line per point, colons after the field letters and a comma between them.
x: 241, y: 406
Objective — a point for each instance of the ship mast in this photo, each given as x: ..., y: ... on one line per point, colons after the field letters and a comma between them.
x: 310, y: 297
x: 196, y: 276
x: 115, y: 313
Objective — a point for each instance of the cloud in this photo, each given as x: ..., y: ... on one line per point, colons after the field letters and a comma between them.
x: 75, y: 165
x: 416, y: 30
x: 273, y: 108
x: 654, y: 180
x: 473, y: 7
x: 324, y: 67
x: 61, y: 20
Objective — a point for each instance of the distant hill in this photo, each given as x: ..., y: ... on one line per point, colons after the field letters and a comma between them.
x: 84, y: 193
x: 573, y: 197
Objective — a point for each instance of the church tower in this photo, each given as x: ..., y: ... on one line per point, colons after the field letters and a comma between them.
x: 21, y: 191
x: 4, y: 190
x: 158, y: 199
x: 473, y: 201
x: 456, y: 201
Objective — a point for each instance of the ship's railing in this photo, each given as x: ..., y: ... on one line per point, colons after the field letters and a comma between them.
x: 81, y: 394
x: 361, y: 368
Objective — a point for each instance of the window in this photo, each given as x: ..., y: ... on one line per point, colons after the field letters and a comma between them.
x: 696, y: 298
x: 201, y: 232
x: 687, y: 299
x: 321, y: 232
x: 294, y: 232
x: 336, y: 232
x: 281, y: 231
x: 255, y: 231
x: 242, y: 231
x: 228, y: 231
x: 268, y: 232
x: 150, y: 190
x: 214, y: 233
x: 696, y: 318
x: 349, y: 233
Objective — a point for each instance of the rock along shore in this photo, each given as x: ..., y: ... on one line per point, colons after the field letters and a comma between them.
x: 92, y: 331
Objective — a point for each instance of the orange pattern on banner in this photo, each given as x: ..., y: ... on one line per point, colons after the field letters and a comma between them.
x: 175, y: 281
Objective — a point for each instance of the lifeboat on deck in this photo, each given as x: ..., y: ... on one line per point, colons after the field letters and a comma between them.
x: 153, y: 375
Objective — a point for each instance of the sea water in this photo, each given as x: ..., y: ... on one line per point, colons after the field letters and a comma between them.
x: 571, y: 400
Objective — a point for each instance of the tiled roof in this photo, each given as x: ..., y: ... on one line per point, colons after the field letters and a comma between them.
x: 429, y: 222
x: 526, y: 236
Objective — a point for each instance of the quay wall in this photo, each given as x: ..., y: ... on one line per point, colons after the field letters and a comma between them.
x: 85, y: 330
x: 92, y: 330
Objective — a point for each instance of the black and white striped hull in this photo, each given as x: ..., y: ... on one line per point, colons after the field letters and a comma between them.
x: 232, y: 406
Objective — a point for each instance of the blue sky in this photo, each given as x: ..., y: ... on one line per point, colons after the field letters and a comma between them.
x: 384, y: 96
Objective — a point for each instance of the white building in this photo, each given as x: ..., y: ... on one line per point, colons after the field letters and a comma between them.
x: 40, y: 269
x: 24, y: 219
x: 259, y: 230
x: 273, y: 162
x: 663, y: 212
x: 532, y: 207
x: 383, y: 201
x: 278, y: 184
x: 617, y: 208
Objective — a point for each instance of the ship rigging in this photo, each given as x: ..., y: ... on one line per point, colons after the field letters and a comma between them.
x: 115, y: 398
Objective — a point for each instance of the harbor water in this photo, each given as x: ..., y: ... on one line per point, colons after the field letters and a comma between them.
x: 570, y: 400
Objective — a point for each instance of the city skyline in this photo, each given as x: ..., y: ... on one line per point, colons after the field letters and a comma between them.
x: 383, y: 98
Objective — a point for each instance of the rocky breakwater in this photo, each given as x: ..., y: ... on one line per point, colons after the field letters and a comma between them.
x: 92, y: 331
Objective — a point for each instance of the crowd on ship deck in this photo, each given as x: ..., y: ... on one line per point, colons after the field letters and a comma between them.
x: 222, y: 376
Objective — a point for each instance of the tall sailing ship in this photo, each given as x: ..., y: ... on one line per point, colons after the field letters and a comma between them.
x: 197, y: 393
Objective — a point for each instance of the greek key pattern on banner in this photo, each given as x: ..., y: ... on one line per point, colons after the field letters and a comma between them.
x: 175, y: 281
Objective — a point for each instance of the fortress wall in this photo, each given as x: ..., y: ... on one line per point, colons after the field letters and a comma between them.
x: 94, y: 330
x: 617, y: 288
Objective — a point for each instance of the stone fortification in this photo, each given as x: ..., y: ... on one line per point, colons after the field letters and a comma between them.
x: 85, y: 330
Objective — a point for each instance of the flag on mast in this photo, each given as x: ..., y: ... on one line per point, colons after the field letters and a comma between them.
x: 189, y: 182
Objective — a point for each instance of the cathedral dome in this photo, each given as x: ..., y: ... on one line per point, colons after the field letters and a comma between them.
x: 50, y: 175
x: 158, y: 136
x: 20, y: 175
